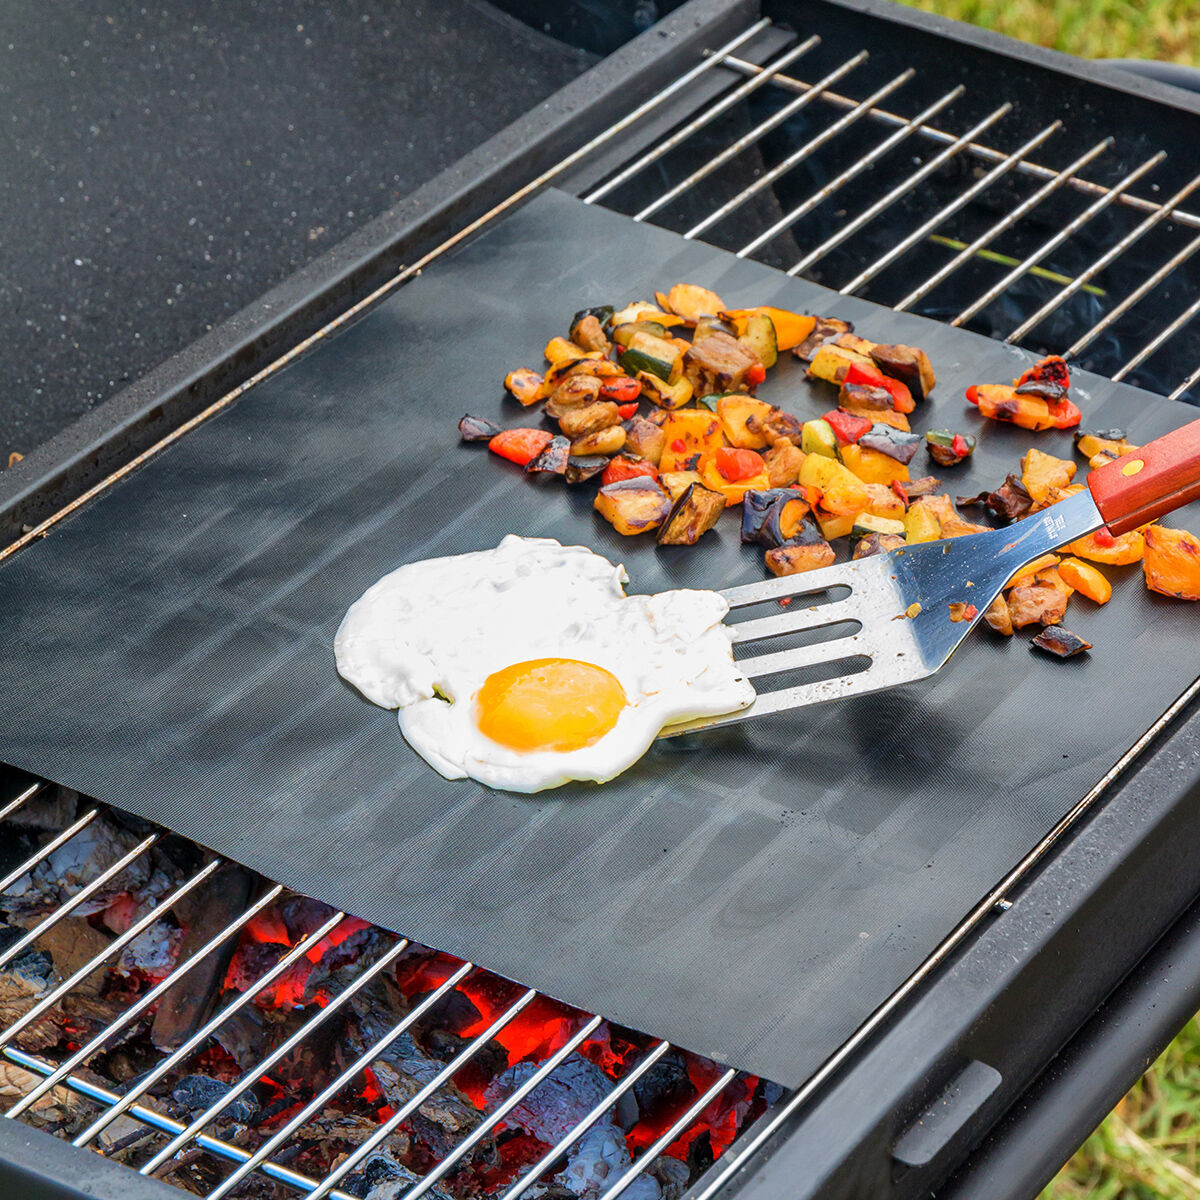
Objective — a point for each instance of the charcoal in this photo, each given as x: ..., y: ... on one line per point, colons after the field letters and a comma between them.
x: 154, y: 950
x: 302, y: 916
x: 666, y: 1084
x: 342, y: 964
x: 51, y: 811
x: 198, y: 1092
x: 23, y: 982
x: 558, y: 1103
x: 448, y: 1116
x: 598, y: 1160
x: 452, y: 1012
x: 672, y: 1175
x: 700, y: 1154
x: 89, y: 853
x: 382, y: 1178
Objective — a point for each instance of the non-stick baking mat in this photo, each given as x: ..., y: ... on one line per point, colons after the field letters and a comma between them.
x: 751, y: 894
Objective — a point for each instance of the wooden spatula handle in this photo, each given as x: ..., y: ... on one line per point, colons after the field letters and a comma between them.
x: 1148, y: 483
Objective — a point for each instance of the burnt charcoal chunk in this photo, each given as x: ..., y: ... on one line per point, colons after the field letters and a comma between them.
x: 666, y: 1084
x: 199, y: 1092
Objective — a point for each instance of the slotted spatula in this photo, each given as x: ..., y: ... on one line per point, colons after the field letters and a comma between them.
x: 888, y: 617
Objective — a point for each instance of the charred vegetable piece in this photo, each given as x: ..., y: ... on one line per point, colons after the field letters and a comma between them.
x: 593, y: 364
x: 791, y: 328
x: 925, y: 486
x: 653, y: 355
x: 623, y: 467
x: 842, y: 491
x: 1037, y: 603
x: 624, y: 334
x: 621, y: 389
x: 525, y: 385
x: 909, y: 365
x: 721, y: 363
x: 589, y: 418
x: 795, y: 557
x: 871, y: 466
x: 1040, y: 472
x: 1062, y: 643
x: 760, y: 338
x: 1086, y: 580
x: 877, y: 543
x: 895, y: 443
x: 735, y: 412
x: 866, y: 523
x: 691, y: 302
x: 714, y: 476
x: 645, y: 439
x: 1048, y: 378
x: 633, y: 506
x: 520, y: 445
x: 1029, y: 572
x: 477, y: 429
x: 832, y: 361
x: 1102, y: 547
x: 783, y: 462
x: 948, y: 449
x: 678, y: 482
x: 1010, y: 500
x: 847, y: 426
x: 824, y: 329
x: 604, y: 441
x: 817, y: 437
x: 998, y: 617
x: 774, y: 516
x: 867, y: 374
x: 552, y: 460
x: 999, y: 402
x: 777, y: 426
x: 665, y: 395
x: 865, y: 399
x: 574, y: 392
x: 1172, y: 562
x: 883, y: 502
x: 1111, y: 442
x: 587, y: 328
x: 688, y: 433
x: 581, y: 469
x: 693, y: 514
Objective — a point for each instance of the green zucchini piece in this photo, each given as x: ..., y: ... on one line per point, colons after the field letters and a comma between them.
x: 866, y: 523
x: 817, y: 437
x: 646, y: 352
x: 760, y: 339
x: 624, y: 334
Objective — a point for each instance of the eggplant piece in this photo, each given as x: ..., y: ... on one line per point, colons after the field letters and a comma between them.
x: 865, y: 399
x: 925, y: 486
x: 633, y: 506
x: 719, y: 363
x: 477, y: 429
x: 948, y: 449
x: 602, y: 313
x: 892, y: 442
x: 1010, y: 501
x: 823, y: 331
x: 1037, y: 603
x: 763, y: 518
x: 877, y: 543
x: 589, y: 418
x: 692, y: 515
x: 676, y: 483
x: 525, y: 385
x: 645, y: 439
x: 1045, y: 389
x: 1062, y: 643
x: 1049, y: 378
x: 797, y: 557
x: 579, y: 469
x: 909, y: 365
x: 552, y: 460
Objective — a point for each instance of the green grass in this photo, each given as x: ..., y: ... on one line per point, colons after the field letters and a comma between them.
x: 1168, y: 30
x: 1149, y: 1146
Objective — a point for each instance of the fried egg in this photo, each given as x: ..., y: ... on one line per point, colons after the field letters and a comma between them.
x: 527, y: 666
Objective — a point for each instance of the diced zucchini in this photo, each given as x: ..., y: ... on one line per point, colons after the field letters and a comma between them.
x: 831, y: 362
x: 654, y: 355
x: 707, y: 326
x: 633, y: 506
x: 624, y: 334
x: 760, y: 339
x: 865, y: 523
x: 817, y: 437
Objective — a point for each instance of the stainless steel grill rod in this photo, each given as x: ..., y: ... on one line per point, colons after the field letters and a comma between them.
x: 706, y: 118
x: 1113, y: 252
x: 959, y: 202
x: 901, y: 189
x: 1163, y: 335
x: 1006, y: 223
x: 76, y: 900
x: 561, y: 1147
x: 255, y: 1073
x: 1057, y: 240
x: 49, y: 848
x: 14, y: 804
x: 323, y: 1097
x: 179, y: 1056
x: 1147, y: 285
x: 138, y: 1007
x: 1190, y: 381
x: 855, y: 169
x: 494, y: 1118
x: 759, y: 131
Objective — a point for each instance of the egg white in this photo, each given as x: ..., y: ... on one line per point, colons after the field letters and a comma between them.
x: 426, y: 637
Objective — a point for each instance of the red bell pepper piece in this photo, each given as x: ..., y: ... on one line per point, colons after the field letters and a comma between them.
x: 970, y: 612
x: 848, y: 427
x: 872, y: 376
x: 625, y: 411
x: 898, y: 488
x: 520, y: 445
x: 679, y: 445
x: 621, y: 388
x: 623, y: 467
x: 959, y: 445
x: 736, y: 464
x: 1065, y: 414
x: 755, y: 374
x: 972, y: 395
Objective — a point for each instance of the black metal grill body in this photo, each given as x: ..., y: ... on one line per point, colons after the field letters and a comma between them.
x: 911, y: 1112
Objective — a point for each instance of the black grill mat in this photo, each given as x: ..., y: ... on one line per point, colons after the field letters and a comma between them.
x: 751, y: 895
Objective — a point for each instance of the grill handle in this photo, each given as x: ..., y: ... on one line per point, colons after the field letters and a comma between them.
x: 1149, y: 483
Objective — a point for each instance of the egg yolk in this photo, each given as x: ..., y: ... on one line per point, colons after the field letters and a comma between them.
x: 549, y: 704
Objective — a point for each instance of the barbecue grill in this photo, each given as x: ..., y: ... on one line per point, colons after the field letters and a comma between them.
x: 883, y: 154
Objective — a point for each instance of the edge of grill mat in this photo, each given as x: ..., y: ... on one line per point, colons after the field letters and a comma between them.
x: 729, y: 1008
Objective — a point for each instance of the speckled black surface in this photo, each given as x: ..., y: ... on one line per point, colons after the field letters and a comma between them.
x: 166, y: 164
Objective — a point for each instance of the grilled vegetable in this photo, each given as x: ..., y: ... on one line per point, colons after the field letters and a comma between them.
x: 653, y: 355
x: 691, y: 302
x: 1037, y: 603
x: 603, y: 441
x: 866, y: 523
x: 1030, y: 571
x: 1102, y: 547
x: 623, y: 467
x: 795, y: 558
x: 645, y: 439
x: 865, y: 399
x: 907, y: 364
x: 1086, y: 579
x: 895, y: 443
x: 525, y: 385
x: 921, y: 524
x: 998, y: 617
x: 914, y: 490
x: 721, y: 363
x: 783, y: 462
x: 1172, y: 562
x: 999, y: 402
x: 948, y: 449
x: 552, y: 460
x: 1111, y: 442
x: 621, y: 389
x: 760, y: 339
x: 735, y: 411
x: 633, y: 506
x: 576, y: 391
x: 842, y: 492
x: 581, y: 469
x: 847, y: 427
x: 624, y: 334
x: 952, y: 524
x: 1040, y: 472
x: 1048, y: 378
x: 733, y: 473
x: 883, y: 502
x: 688, y: 434
x: 1010, y: 500
x: 791, y: 328
x: 643, y: 310
x: 560, y: 350
x: 677, y: 482
x: 834, y: 525
x: 817, y: 437
x: 868, y: 374
x: 589, y: 418
x: 832, y: 361
x: 1062, y: 643
x: 692, y: 515
x: 665, y: 395
x: 877, y: 543
x: 587, y: 327
x: 593, y: 363
x: 777, y: 426
x: 520, y: 445
x: 773, y: 516
x: 823, y: 330
x: 872, y: 467
x: 476, y: 429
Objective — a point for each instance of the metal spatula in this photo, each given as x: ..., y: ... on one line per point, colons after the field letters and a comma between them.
x: 888, y: 618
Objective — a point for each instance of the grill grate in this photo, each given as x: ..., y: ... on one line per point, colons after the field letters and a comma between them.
x: 165, y: 1139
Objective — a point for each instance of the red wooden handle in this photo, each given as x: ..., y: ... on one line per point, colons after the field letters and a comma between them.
x: 1157, y: 479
